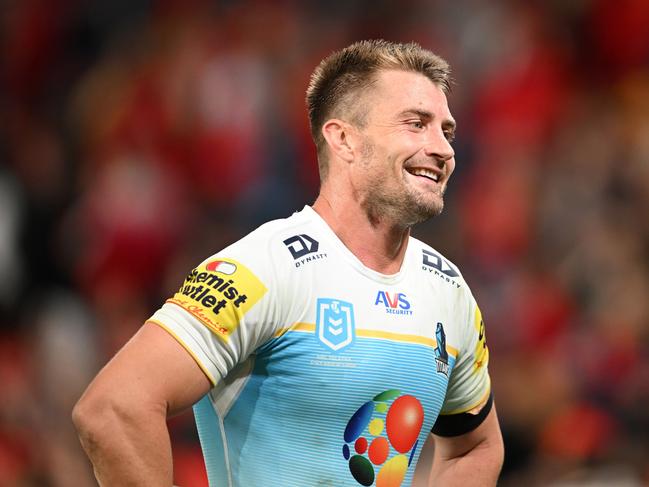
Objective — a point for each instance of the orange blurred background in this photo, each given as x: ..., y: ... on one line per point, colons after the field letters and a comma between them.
x: 138, y: 137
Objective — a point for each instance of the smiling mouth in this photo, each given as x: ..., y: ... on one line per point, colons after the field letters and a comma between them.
x: 423, y: 172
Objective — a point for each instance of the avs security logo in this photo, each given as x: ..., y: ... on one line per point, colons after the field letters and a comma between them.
x: 335, y: 323
x: 381, y: 438
x: 303, y: 248
x: 438, y: 265
x: 441, y: 355
x: 219, y: 293
x: 394, y: 303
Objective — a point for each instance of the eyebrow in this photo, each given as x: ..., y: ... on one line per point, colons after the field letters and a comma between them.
x: 448, y: 124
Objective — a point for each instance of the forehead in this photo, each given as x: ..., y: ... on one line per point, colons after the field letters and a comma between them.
x: 395, y: 91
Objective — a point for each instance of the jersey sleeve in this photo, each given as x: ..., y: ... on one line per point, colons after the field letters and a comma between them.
x: 224, y: 310
x: 469, y: 384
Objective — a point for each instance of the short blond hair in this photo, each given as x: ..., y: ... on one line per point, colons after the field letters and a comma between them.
x: 339, y: 80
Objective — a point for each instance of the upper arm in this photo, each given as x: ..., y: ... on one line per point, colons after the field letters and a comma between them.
x: 220, y: 314
x: 485, y: 436
x: 151, y: 371
x: 469, y: 384
x: 481, y: 450
x: 466, y: 434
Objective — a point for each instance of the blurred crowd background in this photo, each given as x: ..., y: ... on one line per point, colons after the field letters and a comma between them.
x: 138, y: 137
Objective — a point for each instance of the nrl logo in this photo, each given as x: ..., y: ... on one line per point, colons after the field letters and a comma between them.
x: 335, y: 323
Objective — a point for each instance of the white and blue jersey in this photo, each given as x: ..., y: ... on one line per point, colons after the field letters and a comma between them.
x: 325, y: 372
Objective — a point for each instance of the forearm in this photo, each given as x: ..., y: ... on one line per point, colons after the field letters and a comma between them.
x: 126, y: 448
x: 479, y: 467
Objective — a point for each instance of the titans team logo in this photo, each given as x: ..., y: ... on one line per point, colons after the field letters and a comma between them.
x: 335, y: 323
x: 441, y: 355
x: 381, y: 438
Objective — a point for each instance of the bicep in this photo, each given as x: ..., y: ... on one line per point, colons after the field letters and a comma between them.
x: 152, y: 370
x: 485, y: 435
x: 440, y: 452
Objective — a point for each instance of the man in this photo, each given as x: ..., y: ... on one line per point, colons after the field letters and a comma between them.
x: 321, y: 350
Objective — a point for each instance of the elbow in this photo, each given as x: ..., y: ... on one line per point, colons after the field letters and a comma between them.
x: 81, y: 415
x: 103, y: 417
x: 99, y: 418
x: 91, y: 418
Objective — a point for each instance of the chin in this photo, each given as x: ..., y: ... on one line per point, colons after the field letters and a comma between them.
x: 433, y: 207
x: 435, y: 211
x: 425, y: 212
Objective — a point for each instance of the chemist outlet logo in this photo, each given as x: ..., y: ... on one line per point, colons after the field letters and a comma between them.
x: 219, y: 293
x: 394, y: 303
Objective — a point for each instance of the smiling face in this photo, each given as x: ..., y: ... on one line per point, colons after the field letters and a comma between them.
x: 406, y: 158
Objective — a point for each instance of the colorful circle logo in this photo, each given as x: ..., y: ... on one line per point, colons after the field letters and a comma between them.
x: 382, y: 434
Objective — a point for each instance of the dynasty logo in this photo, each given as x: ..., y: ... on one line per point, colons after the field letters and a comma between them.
x: 303, y: 248
x: 219, y: 293
x: 438, y: 265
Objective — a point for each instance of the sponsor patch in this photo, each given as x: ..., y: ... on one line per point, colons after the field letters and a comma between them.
x: 394, y: 303
x: 481, y: 350
x: 301, y: 245
x: 382, y: 437
x: 304, y: 249
x: 439, y: 266
x: 219, y: 293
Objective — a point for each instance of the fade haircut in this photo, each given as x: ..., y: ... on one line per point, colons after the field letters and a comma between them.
x: 339, y: 80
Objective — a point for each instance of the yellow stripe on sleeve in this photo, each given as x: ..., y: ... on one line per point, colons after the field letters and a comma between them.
x: 466, y: 409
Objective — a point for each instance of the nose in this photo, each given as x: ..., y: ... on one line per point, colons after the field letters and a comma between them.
x: 439, y: 147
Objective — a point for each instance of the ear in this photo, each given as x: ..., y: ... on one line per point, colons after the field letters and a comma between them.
x: 340, y: 139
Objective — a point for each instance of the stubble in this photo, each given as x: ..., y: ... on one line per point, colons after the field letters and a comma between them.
x: 399, y: 204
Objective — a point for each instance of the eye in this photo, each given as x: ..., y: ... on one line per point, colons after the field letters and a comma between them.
x: 450, y: 135
x: 416, y: 124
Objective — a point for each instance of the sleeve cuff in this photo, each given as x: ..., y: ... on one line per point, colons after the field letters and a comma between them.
x: 458, y: 424
x: 207, y: 373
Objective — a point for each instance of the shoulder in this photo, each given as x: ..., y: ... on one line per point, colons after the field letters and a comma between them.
x: 274, y: 243
x: 249, y: 270
x: 435, y: 264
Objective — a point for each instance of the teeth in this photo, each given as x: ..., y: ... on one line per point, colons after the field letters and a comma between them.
x: 419, y: 171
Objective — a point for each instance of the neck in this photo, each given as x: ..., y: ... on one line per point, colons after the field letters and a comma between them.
x: 378, y: 243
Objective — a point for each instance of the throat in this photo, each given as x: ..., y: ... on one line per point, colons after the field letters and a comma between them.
x: 376, y: 238
x: 379, y: 247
